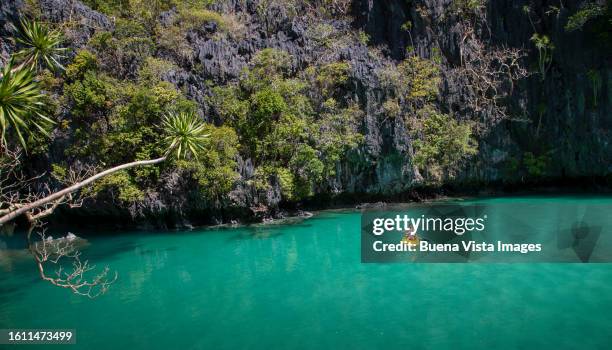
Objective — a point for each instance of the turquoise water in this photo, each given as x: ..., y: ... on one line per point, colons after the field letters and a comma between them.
x: 302, y: 286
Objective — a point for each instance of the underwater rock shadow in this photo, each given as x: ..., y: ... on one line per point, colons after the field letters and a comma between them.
x: 255, y: 235
x: 154, y: 251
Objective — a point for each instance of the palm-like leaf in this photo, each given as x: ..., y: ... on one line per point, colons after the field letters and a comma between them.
x: 185, y: 134
x: 21, y: 104
x: 41, y: 46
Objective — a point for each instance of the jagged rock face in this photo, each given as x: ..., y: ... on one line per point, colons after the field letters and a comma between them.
x: 383, y: 20
x: 577, y: 126
x: 8, y: 16
x: 575, y: 130
x: 88, y: 21
x: 382, y: 166
x: 575, y: 133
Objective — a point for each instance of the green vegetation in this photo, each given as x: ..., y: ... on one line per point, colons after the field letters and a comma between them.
x: 329, y: 77
x: 195, y: 18
x: 596, y: 83
x: 424, y: 78
x: 588, y: 12
x: 363, y: 37
x: 545, y: 48
x: 444, y: 143
x: 122, y: 185
x: 531, y: 165
x: 118, y: 121
x: 214, y: 171
x: 109, y: 7
x: 415, y: 79
x: 87, y: 89
x: 179, y: 132
x: 294, y: 120
x: 293, y: 138
x: 392, y: 108
x: 153, y: 70
x: 21, y: 105
x: 185, y: 134
x: 542, y: 43
x: 467, y: 8
x: 42, y: 46
x: 83, y: 62
x: 535, y: 165
x: 440, y: 142
x: 294, y: 125
x: 139, y: 34
x: 325, y: 34
x: 144, y: 9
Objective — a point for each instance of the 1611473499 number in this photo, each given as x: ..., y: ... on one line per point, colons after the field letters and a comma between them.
x: 37, y: 336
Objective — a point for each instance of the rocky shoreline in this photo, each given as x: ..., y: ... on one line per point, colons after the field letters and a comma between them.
x: 67, y: 218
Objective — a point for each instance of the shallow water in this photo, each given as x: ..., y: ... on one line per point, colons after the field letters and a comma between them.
x: 302, y: 286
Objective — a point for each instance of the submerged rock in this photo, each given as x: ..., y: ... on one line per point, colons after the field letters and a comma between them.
x: 377, y: 205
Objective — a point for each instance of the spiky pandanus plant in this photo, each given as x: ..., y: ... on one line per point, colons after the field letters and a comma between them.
x: 21, y: 105
x: 185, y: 136
x: 42, y: 46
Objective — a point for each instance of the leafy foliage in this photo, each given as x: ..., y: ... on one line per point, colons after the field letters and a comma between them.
x: 296, y: 125
x: 109, y: 7
x: 545, y: 48
x: 331, y: 76
x: 535, y: 165
x: 415, y: 79
x: 185, y: 134
x: 424, y: 78
x: 122, y: 184
x: 444, y: 142
x: 585, y: 14
x: 294, y: 135
x: 21, y: 105
x: 92, y: 93
x: 214, y: 169
x: 143, y: 9
x: 120, y: 121
x: 267, y: 65
x: 467, y: 8
x: 42, y: 46
x: 83, y: 62
x: 195, y: 19
x: 153, y: 70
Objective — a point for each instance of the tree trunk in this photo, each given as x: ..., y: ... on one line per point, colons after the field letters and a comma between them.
x: 59, y: 194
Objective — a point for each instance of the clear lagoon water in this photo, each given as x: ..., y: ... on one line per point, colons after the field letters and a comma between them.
x: 302, y: 286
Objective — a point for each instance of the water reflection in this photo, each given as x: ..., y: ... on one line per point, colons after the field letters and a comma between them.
x: 304, y: 286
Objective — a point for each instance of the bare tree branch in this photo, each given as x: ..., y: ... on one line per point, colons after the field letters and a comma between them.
x: 51, y: 199
x: 79, y: 278
x: 488, y: 75
x: 18, y: 192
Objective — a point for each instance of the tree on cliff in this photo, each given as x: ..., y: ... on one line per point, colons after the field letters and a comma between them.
x: 185, y: 137
x: 22, y: 114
